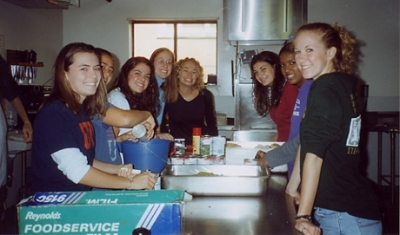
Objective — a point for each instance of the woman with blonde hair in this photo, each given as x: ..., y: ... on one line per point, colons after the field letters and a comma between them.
x: 188, y: 103
x: 332, y: 184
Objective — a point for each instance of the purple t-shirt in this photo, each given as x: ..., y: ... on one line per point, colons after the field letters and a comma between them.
x: 299, y: 108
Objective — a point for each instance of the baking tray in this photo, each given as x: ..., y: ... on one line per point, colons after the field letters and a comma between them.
x: 223, y: 180
x: 237, y: 151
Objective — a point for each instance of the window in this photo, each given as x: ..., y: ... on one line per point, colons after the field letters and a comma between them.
x: 185, y: 38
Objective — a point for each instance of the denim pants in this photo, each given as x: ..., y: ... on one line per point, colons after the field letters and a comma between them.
x: 341, y: 223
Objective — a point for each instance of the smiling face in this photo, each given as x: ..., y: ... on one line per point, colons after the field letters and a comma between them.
x: 107, y: 66
x: 139, y: 77
x: 264, y: 73
x: 84, y: 74
x: 163, y: 64
x: 312, y: 57
x: 290, y: 69
x: 189, y: 74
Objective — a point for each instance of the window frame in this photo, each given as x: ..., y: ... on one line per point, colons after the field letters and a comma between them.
x: 175, y: 24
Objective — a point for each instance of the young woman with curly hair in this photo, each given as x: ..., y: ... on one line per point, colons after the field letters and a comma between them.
x: 188, y: 103
x: 271, y: 93
x: 332, y: 183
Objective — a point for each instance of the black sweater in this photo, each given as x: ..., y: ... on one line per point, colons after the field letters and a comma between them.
x: 184, y: 115
x: 330, y: 130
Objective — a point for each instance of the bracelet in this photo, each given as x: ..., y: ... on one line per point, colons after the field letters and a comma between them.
x: 307, y: 217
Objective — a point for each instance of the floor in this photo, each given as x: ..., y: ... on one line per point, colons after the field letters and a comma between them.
x: 390, y: 216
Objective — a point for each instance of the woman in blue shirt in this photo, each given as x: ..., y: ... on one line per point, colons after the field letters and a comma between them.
x: 64, y: 142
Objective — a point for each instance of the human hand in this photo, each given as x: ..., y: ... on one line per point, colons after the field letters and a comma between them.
x: 125, y: 170
x: 145, y: 180
x: 127, y: 136
x: 150, y: 134
x: 306, y: 227
x: 149, y: 123
x: 295, y: 194
x: 165, y: 136
x: 261, y: 158
x: 27, y: 131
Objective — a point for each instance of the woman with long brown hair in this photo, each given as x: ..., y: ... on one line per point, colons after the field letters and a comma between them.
x: 272, y: 94
x: 163, y: 60
x: 63, y: 148
x: 135, y: 89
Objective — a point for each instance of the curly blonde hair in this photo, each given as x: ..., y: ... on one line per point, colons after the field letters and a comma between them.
x: 172, y: 85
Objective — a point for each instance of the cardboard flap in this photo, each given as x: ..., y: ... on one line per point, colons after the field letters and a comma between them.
x: 104, y: 197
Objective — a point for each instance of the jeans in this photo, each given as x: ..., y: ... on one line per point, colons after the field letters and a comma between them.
x: 341, y: 223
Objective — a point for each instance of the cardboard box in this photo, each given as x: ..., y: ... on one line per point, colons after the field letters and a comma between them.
x: 102, y: 212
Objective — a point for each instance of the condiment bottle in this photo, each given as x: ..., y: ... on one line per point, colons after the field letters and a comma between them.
x: 196, y: 140
x: 139, y: 131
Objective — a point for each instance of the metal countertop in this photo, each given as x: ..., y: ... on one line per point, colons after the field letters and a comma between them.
x: 272, y: 213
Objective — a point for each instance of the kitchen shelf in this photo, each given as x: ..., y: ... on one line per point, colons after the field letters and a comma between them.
x: 38, y: 64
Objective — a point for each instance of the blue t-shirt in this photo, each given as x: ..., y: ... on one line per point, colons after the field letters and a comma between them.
x: 299, y: 108
x: 160, y: 81
x: 106, y: 146
x: 56, y: 127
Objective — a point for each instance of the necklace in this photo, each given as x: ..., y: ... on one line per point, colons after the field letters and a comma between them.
x: 189, y: 96
x: 185, y: 98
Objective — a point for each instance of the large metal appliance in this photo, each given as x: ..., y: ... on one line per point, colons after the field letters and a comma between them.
x: 257, y: 22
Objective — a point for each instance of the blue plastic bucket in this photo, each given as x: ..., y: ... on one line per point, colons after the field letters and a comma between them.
x: 151, y: 155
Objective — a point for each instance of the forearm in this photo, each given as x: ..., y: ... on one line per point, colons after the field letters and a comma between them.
x: 125, y: 118
x: 211, y: 123
x: 310, y: 178
x: 99, y: 179
x: 106, y: 167
x: 17, y: 104
x: 294, y: 180
x: 27, y: 127
x: 284, y: 154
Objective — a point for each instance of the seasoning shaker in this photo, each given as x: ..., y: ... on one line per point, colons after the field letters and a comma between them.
x: 139, y: 131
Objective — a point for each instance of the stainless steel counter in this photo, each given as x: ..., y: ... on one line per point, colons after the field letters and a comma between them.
x: 272, y: 213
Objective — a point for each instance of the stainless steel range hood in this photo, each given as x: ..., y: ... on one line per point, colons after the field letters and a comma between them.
x: 262, y: 22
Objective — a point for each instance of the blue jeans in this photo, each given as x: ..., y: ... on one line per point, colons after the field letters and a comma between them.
x: 341, y: 223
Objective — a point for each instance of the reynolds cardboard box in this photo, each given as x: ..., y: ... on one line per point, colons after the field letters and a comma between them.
x: 102, y: 212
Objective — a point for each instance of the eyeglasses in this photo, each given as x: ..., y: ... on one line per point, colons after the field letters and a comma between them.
x: 162, y: 62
